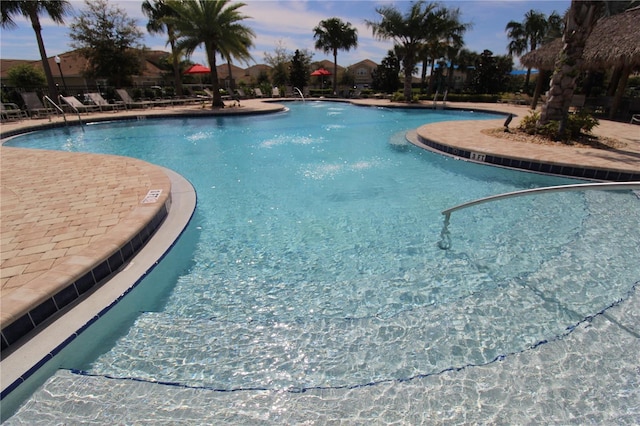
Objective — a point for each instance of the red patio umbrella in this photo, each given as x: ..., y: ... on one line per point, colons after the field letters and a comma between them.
x: 197, y: 69
x: 321, y: 72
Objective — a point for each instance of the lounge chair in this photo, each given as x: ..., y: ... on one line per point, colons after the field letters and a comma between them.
x: 11, y: 112
x: 240, y: 94
x: 258, y: 92
x: 103, y: 104
x: 635, y: 118
x: 78, y: 106
x: 130, y: 103
x: 34, y: 105
x: 275, y: 92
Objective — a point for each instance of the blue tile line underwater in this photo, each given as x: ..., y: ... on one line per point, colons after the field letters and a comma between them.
x: 569, y: 330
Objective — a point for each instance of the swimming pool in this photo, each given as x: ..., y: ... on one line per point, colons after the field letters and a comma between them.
x: 316, y: 290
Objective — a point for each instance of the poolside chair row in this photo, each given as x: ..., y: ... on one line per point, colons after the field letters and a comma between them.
x: 10, y: 112
x: 34, y: 106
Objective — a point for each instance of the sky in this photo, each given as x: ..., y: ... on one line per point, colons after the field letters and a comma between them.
x: 290, y: 23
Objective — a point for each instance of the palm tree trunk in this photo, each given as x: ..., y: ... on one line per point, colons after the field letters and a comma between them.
x: 232, y: 88
x: 581, y: 19
x: 622, y: 84
x: 35, y: 23
x: 408, y: 71
x: 432, y: 78
x: 543, y: 75
x: 215, y: 84
x: 177, y: 80
x: 423, y: 75
x: 335, y: 71
x: 615, y: 79
x: 450, y: 77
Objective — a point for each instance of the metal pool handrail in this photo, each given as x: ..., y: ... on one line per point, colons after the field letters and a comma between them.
x: 46, y: 99
x: 445, y: 239
x: 61, y: 99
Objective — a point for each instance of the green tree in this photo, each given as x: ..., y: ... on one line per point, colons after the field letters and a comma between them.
x: 300, y: 66
x: 26, y: 76
x: 110, y: 40
x: 445, y: 41
x: 32, y: 9
x: 332, y: 35
x: 279, y: 62
x: 386, y: 76
x: 527, y: 35
x: 157, y: 11
x: 216, y: 24
x: 409, y: 32
x: 466, y: 61
x: 491, y: 72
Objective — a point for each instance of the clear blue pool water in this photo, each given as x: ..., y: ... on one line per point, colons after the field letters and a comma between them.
x: 312, y: 266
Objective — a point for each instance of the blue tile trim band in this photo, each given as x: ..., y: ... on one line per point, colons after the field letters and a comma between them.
x: 535, y: 166
x: 19, y: 328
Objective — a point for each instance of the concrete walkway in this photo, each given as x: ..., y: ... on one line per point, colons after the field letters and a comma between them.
x: 64, y: 213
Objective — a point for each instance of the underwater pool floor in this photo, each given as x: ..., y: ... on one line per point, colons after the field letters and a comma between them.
x: 590, y: 374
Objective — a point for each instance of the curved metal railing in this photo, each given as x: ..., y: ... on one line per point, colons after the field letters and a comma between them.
x: 62, y: 99
x: 46, y: 99
x: 445, y: 237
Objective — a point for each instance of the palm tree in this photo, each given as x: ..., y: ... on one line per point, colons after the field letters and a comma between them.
x: 527, y: 35
x: 409, y: 31
x: 447, y: 40
x: 332, y: 35
x: 215, y: 24
x: 156, y: 11
x: 32, y: 9
x: 580, y: 20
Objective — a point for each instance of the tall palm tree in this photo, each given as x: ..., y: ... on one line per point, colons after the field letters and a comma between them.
x: 409, y: 31
x: 32, y: 9
x: 580, y: 20
x: 527, y: 35
x: 216, y: 24
x: 332, y: 35
x: 446, y: 40
x: 156, y: 11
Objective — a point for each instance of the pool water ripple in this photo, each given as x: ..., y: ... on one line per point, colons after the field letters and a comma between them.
x: 317, y: 266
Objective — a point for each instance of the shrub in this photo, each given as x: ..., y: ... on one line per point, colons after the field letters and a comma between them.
x: 26, y: 77
x: 397, y: 97
x: 577, y: 124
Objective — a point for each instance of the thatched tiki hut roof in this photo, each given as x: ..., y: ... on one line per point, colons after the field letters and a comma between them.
x: 613, y: 43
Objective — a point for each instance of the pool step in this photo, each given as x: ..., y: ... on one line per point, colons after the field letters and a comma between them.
x: 331, y: 352
x: 516, y: 388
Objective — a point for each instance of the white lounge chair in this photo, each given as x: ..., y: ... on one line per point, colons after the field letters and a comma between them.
x: 76, y: 105
x: 130, y: 103
x: 635, y: 118
x: 258, y: 92
x: 103, y: 104
x: 275, y: 92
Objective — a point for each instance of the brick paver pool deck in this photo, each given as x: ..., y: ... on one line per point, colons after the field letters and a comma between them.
x: 63, y: 213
